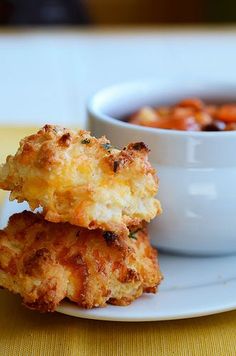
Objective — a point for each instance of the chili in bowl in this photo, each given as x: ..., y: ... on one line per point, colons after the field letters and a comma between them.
x: 190, y: 114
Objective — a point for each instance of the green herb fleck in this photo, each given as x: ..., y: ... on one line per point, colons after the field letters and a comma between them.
x: 85, y: 141
x: 132, y: 234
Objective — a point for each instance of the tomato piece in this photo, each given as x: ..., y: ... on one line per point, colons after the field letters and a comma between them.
x: 193, y: 103
x: 227, y: 113
x: 178, y: 123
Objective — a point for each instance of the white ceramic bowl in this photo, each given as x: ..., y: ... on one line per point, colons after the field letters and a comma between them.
x: 197, y: 170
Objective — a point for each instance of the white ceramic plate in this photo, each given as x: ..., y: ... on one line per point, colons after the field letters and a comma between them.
x: 193, y: 286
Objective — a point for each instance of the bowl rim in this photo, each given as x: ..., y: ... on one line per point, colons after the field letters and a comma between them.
x: 94, y: 109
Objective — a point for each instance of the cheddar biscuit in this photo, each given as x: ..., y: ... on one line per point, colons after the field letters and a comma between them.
x: 80, y: 179
x: 46, y: 262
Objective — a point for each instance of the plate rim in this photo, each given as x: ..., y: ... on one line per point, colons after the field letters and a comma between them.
x: 61, y: 310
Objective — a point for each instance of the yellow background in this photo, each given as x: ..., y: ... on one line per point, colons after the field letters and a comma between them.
x: 24, y: 332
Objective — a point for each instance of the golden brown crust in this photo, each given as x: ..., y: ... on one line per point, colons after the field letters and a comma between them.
x: 46, y: 262
x: 82, y: 180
